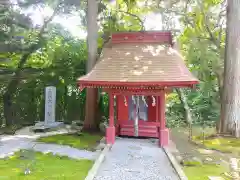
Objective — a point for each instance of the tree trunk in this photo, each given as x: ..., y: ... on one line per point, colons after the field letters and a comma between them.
x: 231, y: 91
x: 91, y: 118
x: 220, y: 86
x: 187, y: 110
x: 183, y: 99
x: 7, y: 109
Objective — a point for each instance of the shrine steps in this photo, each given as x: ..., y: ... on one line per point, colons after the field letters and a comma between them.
x: 143, y: 131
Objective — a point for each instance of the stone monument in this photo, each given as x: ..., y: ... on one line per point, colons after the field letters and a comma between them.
x: 50, y: 105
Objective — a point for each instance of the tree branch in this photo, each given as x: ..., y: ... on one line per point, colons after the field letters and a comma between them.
x: 46, y: 22
x: 16, y: 77
x: 216, y: 41
x: 183, y: 14
x: 136, y: 17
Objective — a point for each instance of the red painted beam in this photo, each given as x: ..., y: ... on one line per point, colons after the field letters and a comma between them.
x: 162, y: 37
x: 137, y: 85
x: 167, y: 90
x: 129, y: 93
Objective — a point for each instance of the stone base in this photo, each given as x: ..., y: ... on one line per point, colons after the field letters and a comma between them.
x: 110, y: 135
x: 164, y: 137
x: 42, y: 126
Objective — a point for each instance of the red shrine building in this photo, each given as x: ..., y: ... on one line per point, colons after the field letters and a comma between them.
x: 137, y: 69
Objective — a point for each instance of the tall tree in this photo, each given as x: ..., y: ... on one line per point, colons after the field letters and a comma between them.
x: 14, y: 82
x: 231, y: 92
x: 91, y: 118
x: 34, y: 40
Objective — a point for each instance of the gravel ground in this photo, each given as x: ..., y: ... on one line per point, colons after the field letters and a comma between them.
x: 136, y: 159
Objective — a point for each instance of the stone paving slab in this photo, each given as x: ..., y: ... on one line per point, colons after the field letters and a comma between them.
x: 64, y: 151
x: 11, y: 145
x: 136, y: 159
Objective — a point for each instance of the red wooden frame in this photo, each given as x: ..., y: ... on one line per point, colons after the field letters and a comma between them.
x: 129, y: 92
x: 161, y: 37
x: 123, y: 111
x: 149, y: 128
x: 137, y: 85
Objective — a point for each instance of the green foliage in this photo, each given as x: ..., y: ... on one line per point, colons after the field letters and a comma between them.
x: 61, y: 62
x: 202, y: 45
x: 204, y: 108
x: 124, y: 15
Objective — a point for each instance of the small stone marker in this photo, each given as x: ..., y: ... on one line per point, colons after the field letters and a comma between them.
x: 50, y: 105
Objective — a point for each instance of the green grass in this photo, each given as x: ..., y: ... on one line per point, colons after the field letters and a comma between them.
x: 80, y: 141
x: 223, y: 144
x: 202, y: 172
x: 44, y: 167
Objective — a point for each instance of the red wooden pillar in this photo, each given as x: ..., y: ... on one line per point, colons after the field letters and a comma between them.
x: 110, y: 131
x: 163, y: 132
x: 157, y: 109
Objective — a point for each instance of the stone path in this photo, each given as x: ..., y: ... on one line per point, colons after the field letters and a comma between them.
x: 136, y: 159
x: 64, y: 151
x: 11, y: 144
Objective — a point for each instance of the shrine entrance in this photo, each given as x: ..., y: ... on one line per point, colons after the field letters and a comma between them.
x: 137, y: 115
x: 137, y: 106
x: 137, y: 111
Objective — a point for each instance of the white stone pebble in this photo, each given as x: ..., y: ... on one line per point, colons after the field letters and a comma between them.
x: 136, y: 159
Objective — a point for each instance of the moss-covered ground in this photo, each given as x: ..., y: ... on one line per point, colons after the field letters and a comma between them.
x: 204, y: 158
x: 43, y: 166
x: 80, y: 141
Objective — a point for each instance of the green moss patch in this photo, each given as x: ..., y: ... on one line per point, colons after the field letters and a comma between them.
x: 191, y: 163
x: 223, y: 144
x: 80, y: 141
x: 43, y: 166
